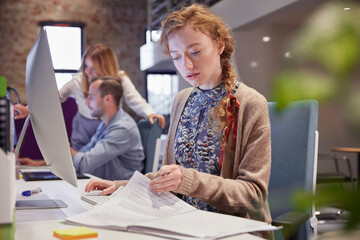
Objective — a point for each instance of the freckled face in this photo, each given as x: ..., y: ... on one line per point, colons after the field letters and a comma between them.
x: 196, y: 57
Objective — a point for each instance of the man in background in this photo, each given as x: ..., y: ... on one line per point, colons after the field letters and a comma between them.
x: 115, y: 151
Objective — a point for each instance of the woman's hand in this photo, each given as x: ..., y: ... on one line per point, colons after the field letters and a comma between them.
x: 169, y: 179
x: 107, y: 186
x: 20, y: 111
x: 159, y: 117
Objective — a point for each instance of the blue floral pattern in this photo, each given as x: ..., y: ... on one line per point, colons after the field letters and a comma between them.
x: 196, y: 144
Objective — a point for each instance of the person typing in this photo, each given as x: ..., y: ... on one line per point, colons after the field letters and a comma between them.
x: 115, y: 151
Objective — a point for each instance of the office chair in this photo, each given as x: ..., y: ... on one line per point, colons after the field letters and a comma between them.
x: 149, y: 133
x: 293, y: 166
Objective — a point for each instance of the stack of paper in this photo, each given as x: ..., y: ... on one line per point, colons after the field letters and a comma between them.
x: 8, y: 189
x: 138, y: 209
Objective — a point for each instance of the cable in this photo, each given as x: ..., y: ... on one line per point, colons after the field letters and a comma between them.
x: 16, y: 93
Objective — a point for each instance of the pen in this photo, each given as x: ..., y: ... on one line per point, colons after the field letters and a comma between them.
x: 28, y: 193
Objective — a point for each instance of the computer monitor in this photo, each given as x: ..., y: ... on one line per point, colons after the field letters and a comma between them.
x: 45, y: 110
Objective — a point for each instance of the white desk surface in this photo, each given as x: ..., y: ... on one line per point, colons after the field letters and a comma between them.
x: 40, y: 223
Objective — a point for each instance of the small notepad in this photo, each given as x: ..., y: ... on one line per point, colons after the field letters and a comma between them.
x: 75, y: 233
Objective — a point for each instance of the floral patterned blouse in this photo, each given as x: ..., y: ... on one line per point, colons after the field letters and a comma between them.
x: 196, y: 144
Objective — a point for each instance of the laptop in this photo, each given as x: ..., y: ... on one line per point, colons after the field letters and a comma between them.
x: 47, y: 175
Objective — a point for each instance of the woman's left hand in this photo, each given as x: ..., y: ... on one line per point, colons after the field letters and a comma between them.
x: 107, y: 186
x: 169, y: 179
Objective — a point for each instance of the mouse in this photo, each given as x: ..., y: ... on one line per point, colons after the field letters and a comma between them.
x: 93, y: 193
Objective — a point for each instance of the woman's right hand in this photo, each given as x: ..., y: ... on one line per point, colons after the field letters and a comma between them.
x: 169, y: 179
x: 107, y: 186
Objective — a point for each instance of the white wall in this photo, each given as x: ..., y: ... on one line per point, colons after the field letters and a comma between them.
x: 238, y: 13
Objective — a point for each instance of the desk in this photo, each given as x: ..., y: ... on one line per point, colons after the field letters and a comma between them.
x: 351, y: 150
x: 39, y: 223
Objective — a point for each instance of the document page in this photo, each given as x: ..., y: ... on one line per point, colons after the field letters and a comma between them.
x: 136, y: 208
x: 202, y: 225
x: 139, y: 198
x: 134, y: 204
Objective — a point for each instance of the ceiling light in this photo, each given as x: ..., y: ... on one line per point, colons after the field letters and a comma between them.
x: 347, y: 9
x: 287, y: 54
x: 266, y: 39
x: 253, y: 64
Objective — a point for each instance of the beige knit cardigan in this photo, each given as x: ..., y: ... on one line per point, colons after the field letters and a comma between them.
x: 241, y: 189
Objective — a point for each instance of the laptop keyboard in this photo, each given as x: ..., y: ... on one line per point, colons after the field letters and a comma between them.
x: 95, y: 198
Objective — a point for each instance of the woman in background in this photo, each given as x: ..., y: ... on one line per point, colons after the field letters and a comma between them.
x: 218, y: 150
x: 98, y: 60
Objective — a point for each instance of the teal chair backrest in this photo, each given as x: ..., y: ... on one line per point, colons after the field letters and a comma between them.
x: 149, y: 133
x: 293, y: 149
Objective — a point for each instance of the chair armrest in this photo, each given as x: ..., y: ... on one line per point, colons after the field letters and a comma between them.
x: 290, y: 223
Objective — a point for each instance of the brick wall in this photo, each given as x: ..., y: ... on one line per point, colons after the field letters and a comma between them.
x: 116, y: 23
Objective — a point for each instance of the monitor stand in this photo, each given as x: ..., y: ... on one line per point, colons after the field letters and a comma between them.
x: 19, y: 146
x: 20, y: 140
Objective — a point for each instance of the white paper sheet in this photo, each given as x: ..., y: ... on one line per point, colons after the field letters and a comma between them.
x: 8, y: 188
x: 134, y: 204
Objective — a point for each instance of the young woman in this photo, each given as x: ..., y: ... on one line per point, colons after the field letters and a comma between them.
x: 218, y: 149
x: 98, y: 60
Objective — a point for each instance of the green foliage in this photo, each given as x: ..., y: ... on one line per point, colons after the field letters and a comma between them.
x: 293, y: 85
x: 353, y: 102
x: 326, y: 54
x: 331, y: 38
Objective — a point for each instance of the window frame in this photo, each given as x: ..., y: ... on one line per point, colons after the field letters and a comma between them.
x: 67, y: 24
x: 160, y: 72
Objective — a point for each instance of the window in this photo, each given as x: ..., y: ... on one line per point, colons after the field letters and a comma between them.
x: 162, y: 82
x: 66, y: 47
x: 161, y: 90
x: 153, y: 36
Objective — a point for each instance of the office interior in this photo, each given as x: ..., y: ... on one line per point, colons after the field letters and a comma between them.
x: 121, y: 24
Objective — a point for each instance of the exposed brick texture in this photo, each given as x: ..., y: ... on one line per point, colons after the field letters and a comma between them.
x: 116, y: 23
